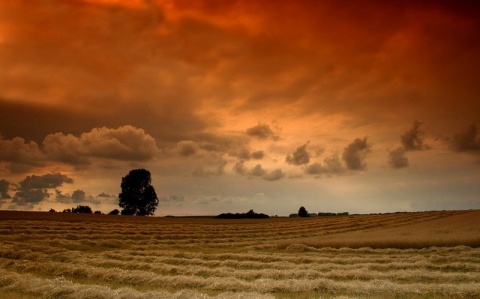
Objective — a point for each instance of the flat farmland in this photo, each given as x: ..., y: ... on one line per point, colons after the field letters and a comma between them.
x: 398, y: 255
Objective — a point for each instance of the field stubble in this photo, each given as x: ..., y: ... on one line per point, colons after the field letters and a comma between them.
x: 406, y: 255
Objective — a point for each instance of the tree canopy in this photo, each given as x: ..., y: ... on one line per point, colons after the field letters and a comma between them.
x: 302, y: 212
x: 138, y: 196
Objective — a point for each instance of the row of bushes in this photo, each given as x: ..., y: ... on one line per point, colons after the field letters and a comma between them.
x: 85, y: 210
x: 332, y: 214
x: 249, y: 215
x: 302, y: 212
x: 321, y: 214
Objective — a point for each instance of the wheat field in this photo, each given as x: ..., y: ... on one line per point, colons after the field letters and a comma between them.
x: 399, y: 255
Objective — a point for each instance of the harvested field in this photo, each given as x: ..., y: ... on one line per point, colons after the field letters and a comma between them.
x: 406, y: 255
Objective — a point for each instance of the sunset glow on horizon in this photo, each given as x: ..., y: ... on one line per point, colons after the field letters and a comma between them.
x: 238, y: 105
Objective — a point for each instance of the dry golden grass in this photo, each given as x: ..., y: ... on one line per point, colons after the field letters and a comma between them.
x: 454, y: 230
x: 56, y: 255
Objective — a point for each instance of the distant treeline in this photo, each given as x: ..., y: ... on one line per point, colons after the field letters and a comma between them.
x: 249, y: 215
x: 84, y: 210
x: 332, y: 214
x: 320, y: 214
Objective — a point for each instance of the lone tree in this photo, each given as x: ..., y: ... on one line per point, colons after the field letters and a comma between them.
x: 302, y: 212
x: 138, y: 196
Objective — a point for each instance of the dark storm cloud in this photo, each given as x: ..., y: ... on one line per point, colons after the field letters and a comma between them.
x: 47, y: 120
x: 397, y: 158
x: 46, y: 181
x: 466, y: 140
x: 21, y: 155
x: 412, y: 139
x: 57, y: 62
x: 354, y: 154
x: 44, y: 118
x: 299, y: 157
x: 261, y: 131
x: 62, y: 198
x: 27, y: 198
x: 78, y: 196
x: 154, y: 55
x: 187, y: 148
x: 4, y: 187
x: 34, y: 189
x: 393, y: 44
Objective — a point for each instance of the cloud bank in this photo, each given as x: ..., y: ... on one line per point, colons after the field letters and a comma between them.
x: 125, y: 143
x: 34, y: 189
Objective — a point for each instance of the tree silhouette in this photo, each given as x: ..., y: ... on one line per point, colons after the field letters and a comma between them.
x: 249, y: 215
x: 114, y: 212
x: 302, y: 212
x: 138, y: 196
x: 82, y: 209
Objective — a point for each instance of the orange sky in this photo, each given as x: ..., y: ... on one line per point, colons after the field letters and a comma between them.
x: 235, y: 105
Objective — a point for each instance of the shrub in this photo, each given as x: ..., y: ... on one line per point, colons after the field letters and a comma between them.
x: 82, y: 209
x: 114, y: 212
